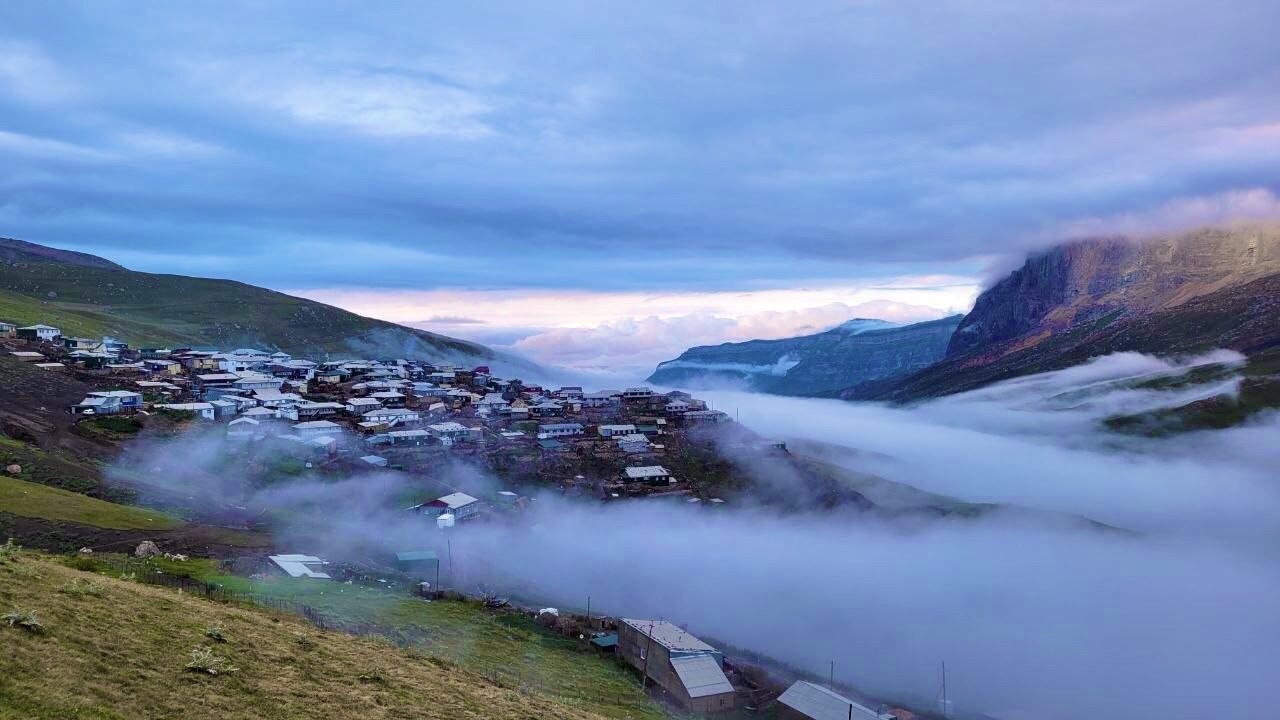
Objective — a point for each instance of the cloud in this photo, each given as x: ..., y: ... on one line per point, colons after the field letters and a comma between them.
x: 637, y: 345
x: 1172, y: 615
x: 657, y: 147
x: 1180, y: 214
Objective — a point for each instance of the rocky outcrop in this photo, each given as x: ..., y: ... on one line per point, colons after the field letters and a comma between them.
x: 1210, y: 288
x: 855, y: 352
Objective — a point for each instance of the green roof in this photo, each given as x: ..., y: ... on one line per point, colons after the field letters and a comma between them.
x: 417, y: 555
x: 605, y: 641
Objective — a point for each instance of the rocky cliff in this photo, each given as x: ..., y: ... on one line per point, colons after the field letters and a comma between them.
x: 1209, y: 288
x: 855, y: 352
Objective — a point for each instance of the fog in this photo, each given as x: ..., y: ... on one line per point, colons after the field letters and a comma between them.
x: 1171, y: 615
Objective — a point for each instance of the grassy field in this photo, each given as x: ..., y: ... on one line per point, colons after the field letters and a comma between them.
x: 504, y: 646
x: 27, y: 499
x: 113, y: 649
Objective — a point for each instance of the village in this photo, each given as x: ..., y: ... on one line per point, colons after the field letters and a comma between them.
x: 399, y: 415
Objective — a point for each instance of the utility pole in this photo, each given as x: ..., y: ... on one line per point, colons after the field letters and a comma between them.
x: 648, y: 650
x: 831, y: 679
x: 588, y: 609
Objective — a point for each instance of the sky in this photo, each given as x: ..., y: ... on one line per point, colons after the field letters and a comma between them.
x: 643, y: 175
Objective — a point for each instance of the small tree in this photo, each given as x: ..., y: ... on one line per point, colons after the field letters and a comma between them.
x: 23, y: 620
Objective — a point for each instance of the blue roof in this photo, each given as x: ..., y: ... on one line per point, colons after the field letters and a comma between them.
x: 417, y: 555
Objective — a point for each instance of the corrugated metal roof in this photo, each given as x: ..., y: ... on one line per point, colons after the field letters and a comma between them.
x: 819, y: 703
x: 701, y: 675
x: 669, y: 635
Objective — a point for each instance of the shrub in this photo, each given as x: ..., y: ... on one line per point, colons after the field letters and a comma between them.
x: 215, y: 633
x: 81, y: 588
x: 304, y: 641
x: 204, y: 661
x: 82, y: 562
x: 24, y: 620
x: 9, y: 551
x: 372, y: 676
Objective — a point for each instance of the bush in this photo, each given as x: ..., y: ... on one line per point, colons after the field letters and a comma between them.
x: 215, y: 633
x: 304, y: 641
x: 24, y: 620
x: 372, y: 676
x: 81, y: 588
x: 204, y: 661
x: 9, y: 551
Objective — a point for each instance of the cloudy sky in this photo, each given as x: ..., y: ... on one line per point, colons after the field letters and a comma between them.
x: 586, y: 182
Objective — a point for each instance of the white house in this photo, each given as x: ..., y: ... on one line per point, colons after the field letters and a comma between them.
x: 609, y: 431
x: 652, y: 474
x: 390, y: 416
x: 39, y: 332
x: 559, y: 430
x: 316, y: 428
x: 203, y: 410
x: 450, y: 432
x: 459, y: 504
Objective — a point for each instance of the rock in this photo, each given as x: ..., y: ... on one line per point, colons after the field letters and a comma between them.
x: 146, y: 549
x: 14, y: 469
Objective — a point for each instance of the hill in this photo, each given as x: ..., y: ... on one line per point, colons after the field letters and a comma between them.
x: 854, y: 352
x: 115, y: 649
x: 1188, y: 293
x: 89, y: 296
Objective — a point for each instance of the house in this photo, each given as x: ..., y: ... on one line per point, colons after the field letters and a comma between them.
x: 8, y: 330
x: 316, y: 428
x: 80, y: 343
x: 557, y: 430
x: 96, y: 406
x: 632, y: 444
x: 129, y: 400
x: 686, y: 668
x: 419, y: 563
x: 459, y: 504
x: 570, y: 392
x: 652, y: 474
x: 390, y: 416
x: 27, y: 355
x: 705, y: 417
x: 636, y: 393
x: 603, y: 399
x: 202, y: 410
x: 223, y: 409
x: 51, y: 366
x: 310, y: 410
x: 677, y: 407
x: 39, y: 332
x: 389, y: 398
x: 608, y: 431
x: 360, y: 406
x: 450, y: 432
x: 374, y: 460
x: 261, y: 413
x: 298, y: 566
x: 162, y: 367
x: 807, y: 701
x: 242, y: 428
x: 412, y: 438
x: 276, y: 398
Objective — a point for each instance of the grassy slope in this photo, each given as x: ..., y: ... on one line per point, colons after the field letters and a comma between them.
x: 27, y: 499
x: 147, y: 308
x: 507, y: 644
x: 122, y: 655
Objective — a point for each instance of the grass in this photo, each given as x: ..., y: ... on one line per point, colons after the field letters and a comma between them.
x: 27, y: 499
x: 128, y: 659
x: 503, y: 645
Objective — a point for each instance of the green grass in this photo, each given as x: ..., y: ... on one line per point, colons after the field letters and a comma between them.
x: 27, y: 499
x: 153, y: 309
x: 123, y: 653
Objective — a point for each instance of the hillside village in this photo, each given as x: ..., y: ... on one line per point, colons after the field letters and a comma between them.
x: 384, y: 415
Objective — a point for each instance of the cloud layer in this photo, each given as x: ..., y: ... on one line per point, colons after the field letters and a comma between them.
x: 647, y: 147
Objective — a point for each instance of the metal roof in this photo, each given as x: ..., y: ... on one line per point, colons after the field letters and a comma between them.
x: 456, y: 500
x: 647, y: 471
x: 417, y: 556
x: 819, y: 703
x: 669, y: 635
x: 701, y: 675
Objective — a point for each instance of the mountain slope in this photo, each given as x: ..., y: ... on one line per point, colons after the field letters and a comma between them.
x: 115, y: 649
x: 85, y: 295
x: 1211, y: 288
x: 854, y: 352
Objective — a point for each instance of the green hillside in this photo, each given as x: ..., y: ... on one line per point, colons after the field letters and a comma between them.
x: 111, y: 649
x: 84, y: 295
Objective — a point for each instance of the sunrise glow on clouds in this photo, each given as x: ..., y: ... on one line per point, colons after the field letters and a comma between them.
x: 633, y: 331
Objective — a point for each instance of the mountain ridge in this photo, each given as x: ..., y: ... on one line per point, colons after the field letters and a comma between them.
x: 813, y: 364
x: 1170, y: 294
x: 87, y: 295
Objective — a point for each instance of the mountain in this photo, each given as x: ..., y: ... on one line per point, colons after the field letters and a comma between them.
x: 1172, y: 294
x: 854, y: 352
x: 88, y: 295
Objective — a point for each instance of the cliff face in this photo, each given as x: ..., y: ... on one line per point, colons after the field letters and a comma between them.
x: 827, y: 362
x: 1079, y: 283
x: 1182, y: 293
